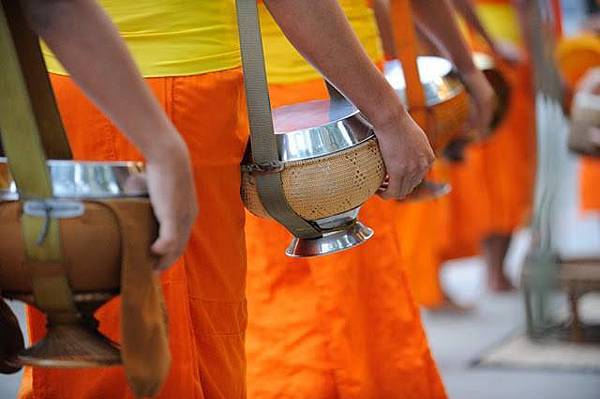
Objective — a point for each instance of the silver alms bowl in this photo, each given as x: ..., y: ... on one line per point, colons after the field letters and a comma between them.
x: 332, y: 166
x: 439, y: 79
x: 84, y: 180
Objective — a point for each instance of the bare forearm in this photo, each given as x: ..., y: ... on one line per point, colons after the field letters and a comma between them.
x: 321, y: 33
x: 88, y: 45
x: 436, y: 17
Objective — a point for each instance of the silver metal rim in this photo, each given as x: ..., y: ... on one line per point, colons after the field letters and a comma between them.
x: 483, y: 61
x: 440, y: 81
x: 84, y: 180
x: 340, y: 129
x: 341, y: 240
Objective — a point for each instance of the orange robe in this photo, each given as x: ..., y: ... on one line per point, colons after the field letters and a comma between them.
x: 204, y: 291
x: 493, y: 188
x: 341, y: 326
x: 421, y: 225
x: 422, y: 228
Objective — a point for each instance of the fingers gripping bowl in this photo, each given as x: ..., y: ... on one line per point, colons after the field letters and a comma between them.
x: 447, y: 109
x: 331, y: 166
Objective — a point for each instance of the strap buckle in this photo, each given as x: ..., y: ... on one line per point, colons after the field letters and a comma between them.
x: 264, y: 168
x: 51, y: 208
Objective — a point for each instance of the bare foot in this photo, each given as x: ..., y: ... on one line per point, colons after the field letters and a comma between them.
x: 495, y: 249
x: 498, y: 282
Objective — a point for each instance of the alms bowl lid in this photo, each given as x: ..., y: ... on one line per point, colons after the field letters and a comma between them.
x: 311, y: 114
x: 438, y: 79
x: 85, y: 179
x: 318, y: 128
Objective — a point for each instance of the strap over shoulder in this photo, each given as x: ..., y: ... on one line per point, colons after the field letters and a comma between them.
x: 262, y: 132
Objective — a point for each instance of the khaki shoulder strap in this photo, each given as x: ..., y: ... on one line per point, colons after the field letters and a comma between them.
x: 265, y: 153
x: 28, y: 121
x: 36, y: 84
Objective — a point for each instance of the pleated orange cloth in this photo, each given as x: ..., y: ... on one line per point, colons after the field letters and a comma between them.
x: 510, y: 156
x: 204, y: 291
x: 422, y: 225
x: 493, y: 187
x: 342, y: 326
x: 424, y: 236
x: 467, y: 206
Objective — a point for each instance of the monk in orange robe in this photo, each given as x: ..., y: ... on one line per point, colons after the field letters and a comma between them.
x: 344, y: 325
x: 326, y: 327
x: 493, y: 187
x: 199, y: 84
x: 423, y: 226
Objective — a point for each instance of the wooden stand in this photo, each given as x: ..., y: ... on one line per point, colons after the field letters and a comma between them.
x: 575, y: 278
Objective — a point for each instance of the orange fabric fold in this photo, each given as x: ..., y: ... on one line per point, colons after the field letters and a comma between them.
x: 423, y: 232
x: 341, y: 326
x: 468, y: 206
x: 204, y: 290
x: 510, y: 156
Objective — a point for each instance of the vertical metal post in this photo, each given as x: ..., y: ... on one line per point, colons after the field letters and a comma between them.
x: 543, y: 262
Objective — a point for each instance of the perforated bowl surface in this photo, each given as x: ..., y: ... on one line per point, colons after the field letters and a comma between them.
x: 326, y: 186
x: 447, y: 121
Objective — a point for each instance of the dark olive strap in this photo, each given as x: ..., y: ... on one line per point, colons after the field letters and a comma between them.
x: 43, y: 103
x: 28, y: 113
x: 262, y: 133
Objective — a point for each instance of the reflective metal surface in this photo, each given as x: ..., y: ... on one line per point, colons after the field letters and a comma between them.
x: 335, y: 221
x: 350, y: 236
x: 483, y: 61
x: 440, y: 81
x: 318, y: 128
x: 85, y: 180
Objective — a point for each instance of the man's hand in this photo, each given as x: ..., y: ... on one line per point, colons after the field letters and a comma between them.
x: 484, y: 101
x: 320, y: 31
x: 406, y: 153
x: 173, y: 196
x: 77, y: 29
